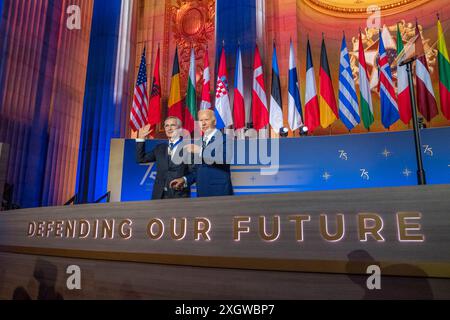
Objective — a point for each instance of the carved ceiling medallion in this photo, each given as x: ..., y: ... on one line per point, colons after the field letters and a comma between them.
x: 192, y: 27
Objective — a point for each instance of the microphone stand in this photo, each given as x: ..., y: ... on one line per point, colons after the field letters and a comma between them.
x: 417, y: 139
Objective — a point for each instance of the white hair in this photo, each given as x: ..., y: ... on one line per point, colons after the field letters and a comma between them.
x: 177, y: 120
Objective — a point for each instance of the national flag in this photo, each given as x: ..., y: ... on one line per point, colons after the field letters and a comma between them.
x: 348, y: 99
x: 138, y: 113
x: 222, y: 109
x: 154, y: 110
x: 364, y: 87
x: 276, y: 111
x: 190, y: 114
x: 294, y: 102
x: 426, y: 100
x: 389, y: 43
x: 404, y: 97
x: 388, y: 98
x: 175, y: 102
x: 238, y: 103
x: 327, y: 100
x: 312, y: 114
x: 444, y: 73
x: 260, y: 112
x: 206, y: 97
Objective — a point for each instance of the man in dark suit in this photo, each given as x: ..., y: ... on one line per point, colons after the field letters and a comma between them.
x: 167, y: 157
x: 212, y: 173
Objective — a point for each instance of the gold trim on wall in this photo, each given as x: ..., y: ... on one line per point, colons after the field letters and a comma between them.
x: 356, y: 11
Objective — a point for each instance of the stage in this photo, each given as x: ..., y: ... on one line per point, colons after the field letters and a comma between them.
x: 309, y: 245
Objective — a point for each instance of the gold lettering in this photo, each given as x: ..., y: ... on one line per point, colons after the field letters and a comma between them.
x: 108, y: 229
x: 404, y: 227
x: 206, y: 226
x: 374, y: 229
x: 58, y: 228
x: 95, y: 233
x: 84, y: 227
x: 340, y: 229
x: 70, y: 228
x: 299, y: 225
x: 40, y: 229
x: 182, y: 233
x: 237, y: 228
x: 49, y: 225
x: 31, y: 229
x: 125, y: 234
x: 160, y: 226
x: 275, y: 229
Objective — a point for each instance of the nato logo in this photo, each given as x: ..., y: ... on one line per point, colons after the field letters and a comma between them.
x: 150, y: 175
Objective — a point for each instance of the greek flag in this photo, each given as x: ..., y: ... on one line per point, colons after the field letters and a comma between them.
x: 348, y: 100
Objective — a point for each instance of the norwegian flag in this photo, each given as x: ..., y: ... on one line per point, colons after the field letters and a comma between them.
x: 138, y: 113
x: 206, y: 98
x: 388, y: 98
x: 259, y: 99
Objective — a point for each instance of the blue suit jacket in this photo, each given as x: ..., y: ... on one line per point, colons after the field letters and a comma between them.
x: 213, y: 178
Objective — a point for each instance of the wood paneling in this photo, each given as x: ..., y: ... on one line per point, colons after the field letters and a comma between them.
x: 332, y: 263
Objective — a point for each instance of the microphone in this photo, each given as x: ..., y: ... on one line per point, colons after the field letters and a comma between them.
x: 407, y: 61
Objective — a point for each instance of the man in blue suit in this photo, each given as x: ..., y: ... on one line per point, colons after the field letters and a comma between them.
x: 212, y: 173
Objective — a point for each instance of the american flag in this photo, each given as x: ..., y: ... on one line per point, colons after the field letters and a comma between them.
x: 138, y: 114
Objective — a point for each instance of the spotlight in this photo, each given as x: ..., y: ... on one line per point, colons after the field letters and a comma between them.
x: 421, y: 123
x: 303, y: 130
x: 284, y: 132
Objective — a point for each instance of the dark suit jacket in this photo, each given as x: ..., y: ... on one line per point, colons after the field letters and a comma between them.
x: 166, y: 170
x: 212, y: 179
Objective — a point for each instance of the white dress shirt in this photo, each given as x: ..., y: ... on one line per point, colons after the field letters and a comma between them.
x: 207, y: 137
x: 175, y: 140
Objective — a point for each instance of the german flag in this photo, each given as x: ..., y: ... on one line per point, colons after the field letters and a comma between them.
x: 327, y: 100
x: 175, y: 101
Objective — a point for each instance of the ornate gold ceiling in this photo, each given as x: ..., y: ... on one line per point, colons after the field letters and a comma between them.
x: 358, y: 8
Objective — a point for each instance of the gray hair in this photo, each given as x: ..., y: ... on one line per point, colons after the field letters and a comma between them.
x: 177, y: 120
x: 211, y: 113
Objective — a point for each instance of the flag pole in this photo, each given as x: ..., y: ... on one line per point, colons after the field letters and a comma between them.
x: 421, y: 179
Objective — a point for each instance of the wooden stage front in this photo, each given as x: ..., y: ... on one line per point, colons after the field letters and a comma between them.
x: 311, y: 245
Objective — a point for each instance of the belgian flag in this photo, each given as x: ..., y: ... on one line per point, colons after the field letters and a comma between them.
x: 327, y: 100
x: 175, y: 101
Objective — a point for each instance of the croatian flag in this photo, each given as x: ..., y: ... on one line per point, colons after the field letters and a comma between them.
x: 222, y: 109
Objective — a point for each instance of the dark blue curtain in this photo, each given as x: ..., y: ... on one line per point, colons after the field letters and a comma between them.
x: 236, y: 23
x: 101, y: 119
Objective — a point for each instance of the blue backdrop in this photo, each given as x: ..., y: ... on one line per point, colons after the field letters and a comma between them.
x: 102, y: 118
x: 322, y: 163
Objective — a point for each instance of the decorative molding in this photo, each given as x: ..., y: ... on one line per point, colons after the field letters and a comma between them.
x: 358, y: 8
x: 193, y: 26
x: 370, y: 38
